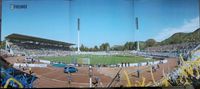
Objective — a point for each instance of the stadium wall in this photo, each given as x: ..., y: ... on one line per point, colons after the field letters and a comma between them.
x: 16, y: 65
x: 145, y: 63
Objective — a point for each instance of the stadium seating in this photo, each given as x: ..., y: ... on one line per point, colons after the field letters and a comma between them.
x: 172, y: 50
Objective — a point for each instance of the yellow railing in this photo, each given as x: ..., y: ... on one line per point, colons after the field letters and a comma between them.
x: 186, y: 69
x: 127, y: 78
x: 14, y: 80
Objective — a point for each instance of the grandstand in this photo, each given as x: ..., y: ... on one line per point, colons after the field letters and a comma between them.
x: 172, y: 50
x: 24, y: 44
x: 169, y: 62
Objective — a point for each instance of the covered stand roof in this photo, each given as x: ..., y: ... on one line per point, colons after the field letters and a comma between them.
x: 35, y: 39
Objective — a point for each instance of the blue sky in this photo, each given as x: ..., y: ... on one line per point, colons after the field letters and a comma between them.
x: 101, y: 20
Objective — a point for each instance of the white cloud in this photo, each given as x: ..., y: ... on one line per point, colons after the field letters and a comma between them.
x: 188, y: 26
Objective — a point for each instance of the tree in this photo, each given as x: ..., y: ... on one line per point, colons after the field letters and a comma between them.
x: 107, y: 46
x: 150, y: 43
x: 73, y: 48
x: 142, y: 45
x: 2, y: 44
x: 101, y: 47
x: 129, y: 46
x: 118, y: 48
x: 126, y: 46
x: 82, y: 47
x: 96, y: 48
x: 104, y: 47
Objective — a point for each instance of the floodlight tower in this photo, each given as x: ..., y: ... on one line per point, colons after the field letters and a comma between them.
x: 137, y: 27
x: 0, y: 19
x: 199, y: 13
x: 78, y: 35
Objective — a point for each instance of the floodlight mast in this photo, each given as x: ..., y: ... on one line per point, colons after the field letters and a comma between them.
x: 78, y: 35
x: 0, y: 20
x: 137, y: 28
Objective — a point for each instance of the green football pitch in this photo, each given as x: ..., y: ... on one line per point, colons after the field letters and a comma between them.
x: 98, y: 59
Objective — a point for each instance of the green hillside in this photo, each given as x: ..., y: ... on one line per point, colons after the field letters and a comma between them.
x: 183, y: 37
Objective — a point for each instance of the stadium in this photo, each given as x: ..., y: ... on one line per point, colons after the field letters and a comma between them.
x: 114, y: 68
x: 29, y: 61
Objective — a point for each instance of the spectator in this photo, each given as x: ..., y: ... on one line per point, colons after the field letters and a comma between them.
x: 138, y: 73
x: 158, y: 66
x: 69, y: 78
x: 30, y: 71
x: 96, y: 81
